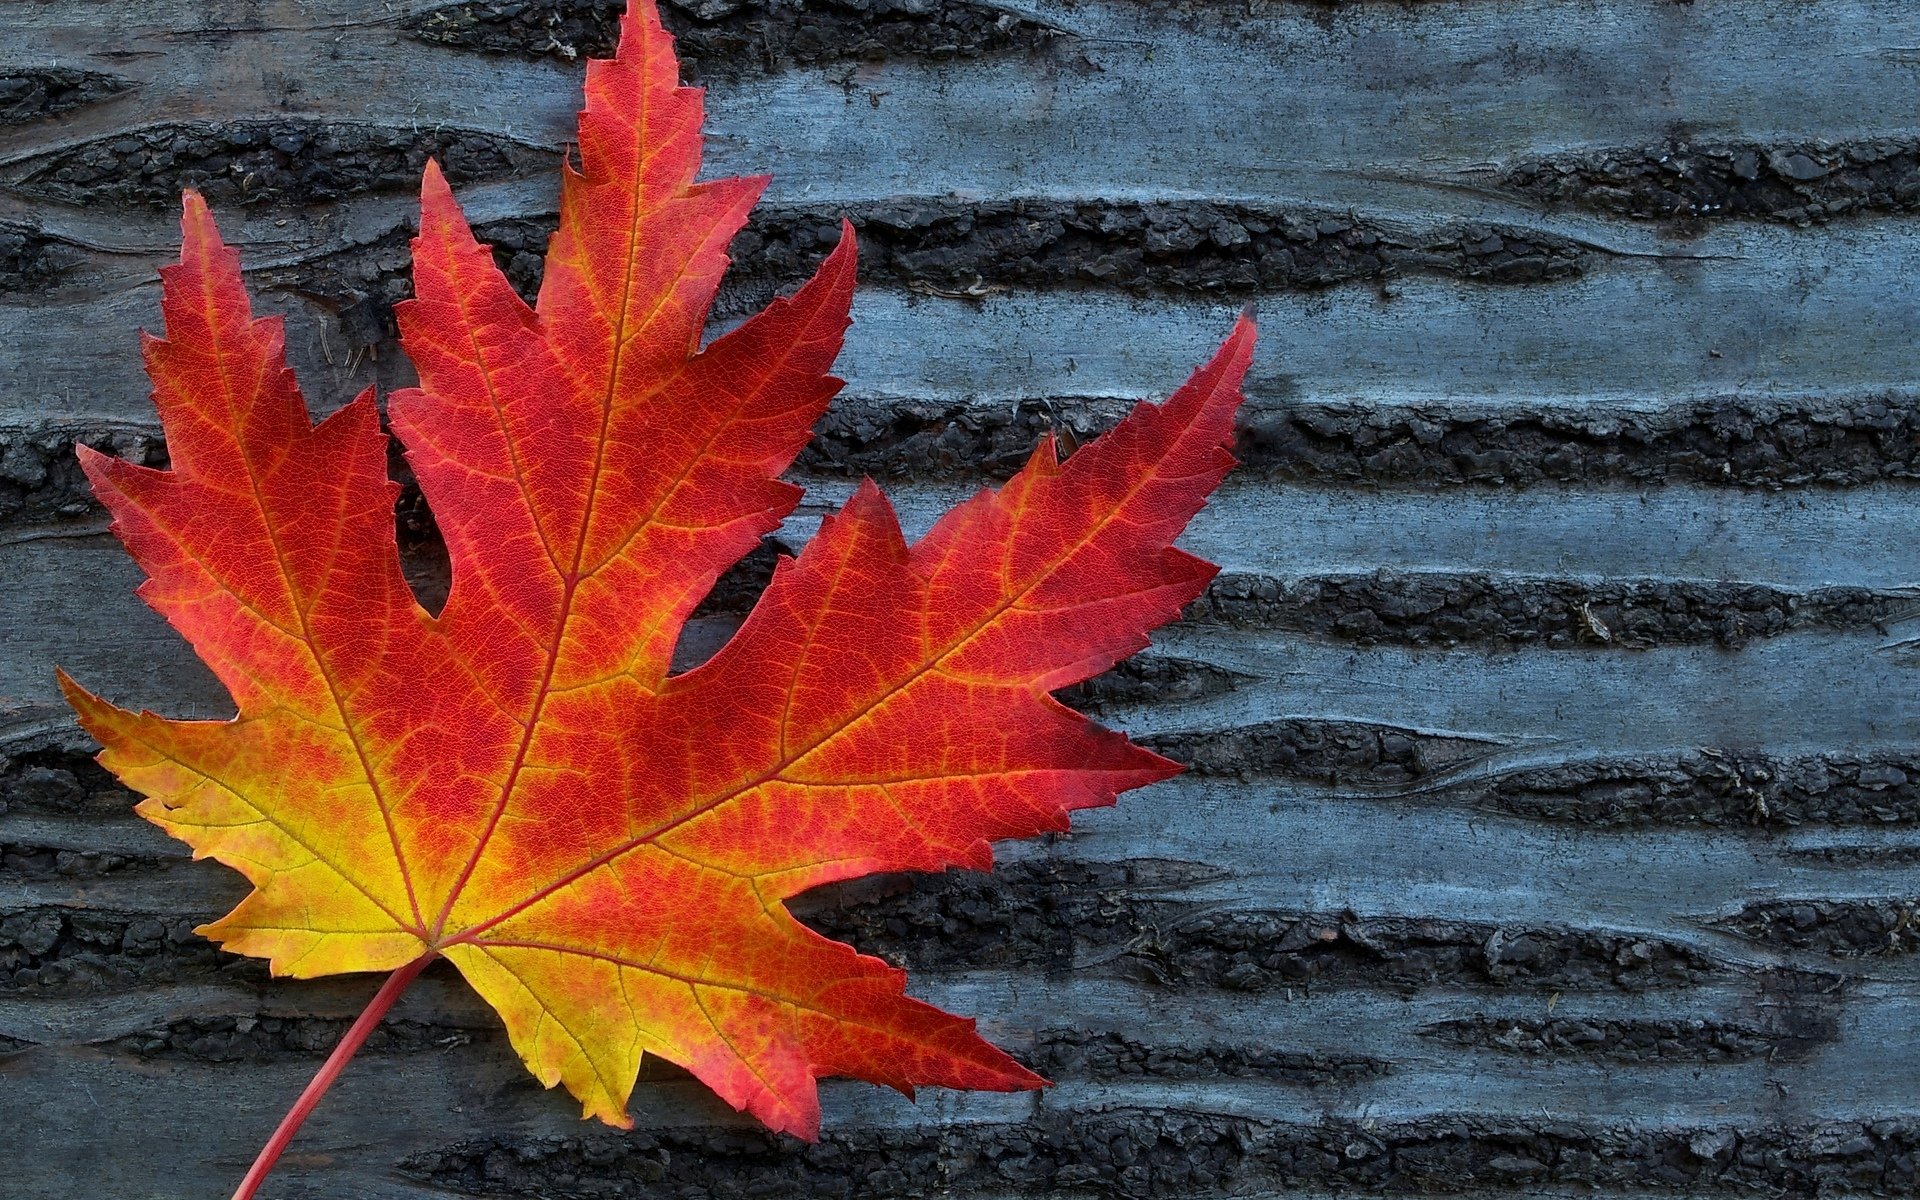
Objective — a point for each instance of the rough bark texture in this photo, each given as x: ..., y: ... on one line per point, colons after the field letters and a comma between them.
x: 1554, y: 817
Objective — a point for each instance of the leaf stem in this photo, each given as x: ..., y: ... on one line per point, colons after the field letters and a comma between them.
x: 350, y: 1043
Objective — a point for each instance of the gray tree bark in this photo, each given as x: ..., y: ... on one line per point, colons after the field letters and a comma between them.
x: 1555, y: 803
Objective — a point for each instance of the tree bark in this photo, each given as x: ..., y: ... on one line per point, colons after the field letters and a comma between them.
x: 1554, y: 731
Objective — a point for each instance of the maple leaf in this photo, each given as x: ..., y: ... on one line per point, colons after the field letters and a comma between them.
x: 518, y: 784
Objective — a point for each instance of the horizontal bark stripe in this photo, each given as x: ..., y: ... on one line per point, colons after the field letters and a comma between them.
x: 992, y: 1145
x: 1407, y: 77
x: 1636, y: 335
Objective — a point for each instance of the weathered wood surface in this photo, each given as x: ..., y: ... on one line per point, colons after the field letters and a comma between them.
x: 1554, y: 824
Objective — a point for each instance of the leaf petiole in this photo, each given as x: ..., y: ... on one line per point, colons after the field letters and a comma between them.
x: 350, y: 1044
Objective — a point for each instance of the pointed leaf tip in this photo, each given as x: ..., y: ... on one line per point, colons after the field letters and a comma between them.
x: 200, y: 239
x: 433, y: 181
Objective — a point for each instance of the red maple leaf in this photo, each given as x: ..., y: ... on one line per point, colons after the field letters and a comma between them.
x: 518, y: 784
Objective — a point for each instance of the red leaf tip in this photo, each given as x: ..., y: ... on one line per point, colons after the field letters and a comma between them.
x: 199, y: 234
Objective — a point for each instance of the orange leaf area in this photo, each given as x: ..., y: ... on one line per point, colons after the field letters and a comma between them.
x: 601, y: 847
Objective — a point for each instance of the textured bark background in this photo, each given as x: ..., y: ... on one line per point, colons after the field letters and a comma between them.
x: 1554, y: 824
